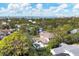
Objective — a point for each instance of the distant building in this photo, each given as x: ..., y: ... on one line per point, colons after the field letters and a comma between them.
x: 72, y: 50
x: 40, y: 30
x: 5, y: 32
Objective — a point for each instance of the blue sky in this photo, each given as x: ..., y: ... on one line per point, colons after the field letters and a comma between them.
x: 40, y: 9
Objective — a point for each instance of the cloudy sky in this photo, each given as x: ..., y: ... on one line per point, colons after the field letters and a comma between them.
x: 39, y: 9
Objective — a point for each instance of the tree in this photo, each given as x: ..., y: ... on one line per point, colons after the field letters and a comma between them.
x: 53, y: 43
x: 68, y: 39
x: 16, y: 44
x: 71, y: 38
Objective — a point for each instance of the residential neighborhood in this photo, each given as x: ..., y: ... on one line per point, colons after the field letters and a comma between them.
x: 39, y: 29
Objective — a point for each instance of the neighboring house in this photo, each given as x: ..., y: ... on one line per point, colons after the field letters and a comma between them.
x: 74, y: 31
x: 42, y: 40
x: 72, y: 50
x: 5, y: 32
x: 1, y: 35
x: 45, y: 36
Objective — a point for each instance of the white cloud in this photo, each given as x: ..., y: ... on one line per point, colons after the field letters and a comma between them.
x: 75, y: 10
x: 13, y: 6
x: 42, y: 12
x: 27, y: 10
x: 25, y: 5
x: 3, y: 10
x: 76, y: 6
x: 39, y: 6
x: 61, y: 7
x: 15, y: 9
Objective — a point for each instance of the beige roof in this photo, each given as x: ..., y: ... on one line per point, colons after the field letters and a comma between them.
x: 44, y: 37
x: 46, y: 34
x: 6, y: 30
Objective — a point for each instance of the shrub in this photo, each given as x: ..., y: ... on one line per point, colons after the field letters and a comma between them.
x: 43, y: 52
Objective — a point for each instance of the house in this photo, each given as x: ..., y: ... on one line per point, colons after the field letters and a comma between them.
x: 74, y: 31
x: 5, y: 32
x: 42, y: 40
x: 72, y: 50
x: 45, y: 36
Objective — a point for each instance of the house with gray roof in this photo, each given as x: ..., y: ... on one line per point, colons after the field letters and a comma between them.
x: 72, y: 50
x: 74, y: 31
